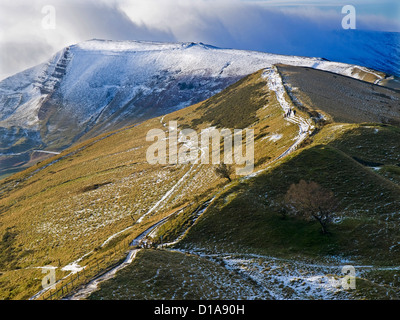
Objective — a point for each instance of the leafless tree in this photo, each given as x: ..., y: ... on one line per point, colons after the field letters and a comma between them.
x: 224, y: 171
x: 311, y: 201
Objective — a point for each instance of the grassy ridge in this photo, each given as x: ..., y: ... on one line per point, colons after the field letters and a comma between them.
x: 65, y: 207
x: 243, y: 219
x: 367, y: 227
x: 236, y: 107
x: 341, y: 98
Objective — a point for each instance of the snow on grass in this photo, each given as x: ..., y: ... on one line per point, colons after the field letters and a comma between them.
x: 275, y: 84
x: 92, y: 286
x: 275, y: 137
x: 283, y: 278
x: 115, y: 235
x: 73, y: 268
x: 167, y: 195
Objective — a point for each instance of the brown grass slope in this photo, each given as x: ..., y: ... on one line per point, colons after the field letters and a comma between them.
x: 343, y: 99
x: 66, y: 207
x: 243, y: 221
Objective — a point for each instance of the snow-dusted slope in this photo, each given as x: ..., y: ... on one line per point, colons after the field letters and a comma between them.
x: 99, y: 85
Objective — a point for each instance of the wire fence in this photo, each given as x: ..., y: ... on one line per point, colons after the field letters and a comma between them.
x: 98, y: 267
x: 93, y: 269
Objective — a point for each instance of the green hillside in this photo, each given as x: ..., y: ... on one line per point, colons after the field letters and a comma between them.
x: 244, y: 230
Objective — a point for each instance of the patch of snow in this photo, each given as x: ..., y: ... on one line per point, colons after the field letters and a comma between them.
x: 73, y: 267
x: 166, y: 195
x: 92, y: 286
x: 275, y: 84
x: 49, y: 152
x: 115, y: 235
x: 275, y: 137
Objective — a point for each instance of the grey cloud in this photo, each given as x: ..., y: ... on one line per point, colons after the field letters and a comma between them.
x: 17, y: 56
x: 24, y: 43
x: 95, y: 19
x: 305, y: 30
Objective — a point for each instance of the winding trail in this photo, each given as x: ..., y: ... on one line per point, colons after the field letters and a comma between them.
x: 196, y: 215
x: 93, y: 285
x: 86, y: 290
x: 168, y: 194
x: 74, y: 266
x: 305, y: 127
x: 275, y: 84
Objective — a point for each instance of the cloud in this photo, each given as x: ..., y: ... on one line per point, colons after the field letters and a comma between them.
x: 24, y: 42
x: 254, y: 25
x: 307, y: 30
x: 275, y: 26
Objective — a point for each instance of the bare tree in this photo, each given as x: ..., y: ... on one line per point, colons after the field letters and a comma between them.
x: 224, y: 171
x: 311, y: 201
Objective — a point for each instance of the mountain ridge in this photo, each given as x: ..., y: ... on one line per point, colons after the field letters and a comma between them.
x: 101, y: 85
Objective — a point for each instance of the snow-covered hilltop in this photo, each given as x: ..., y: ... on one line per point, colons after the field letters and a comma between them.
x: 99, y: 85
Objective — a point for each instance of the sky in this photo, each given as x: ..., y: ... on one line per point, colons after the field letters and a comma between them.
x: 31, y: 31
